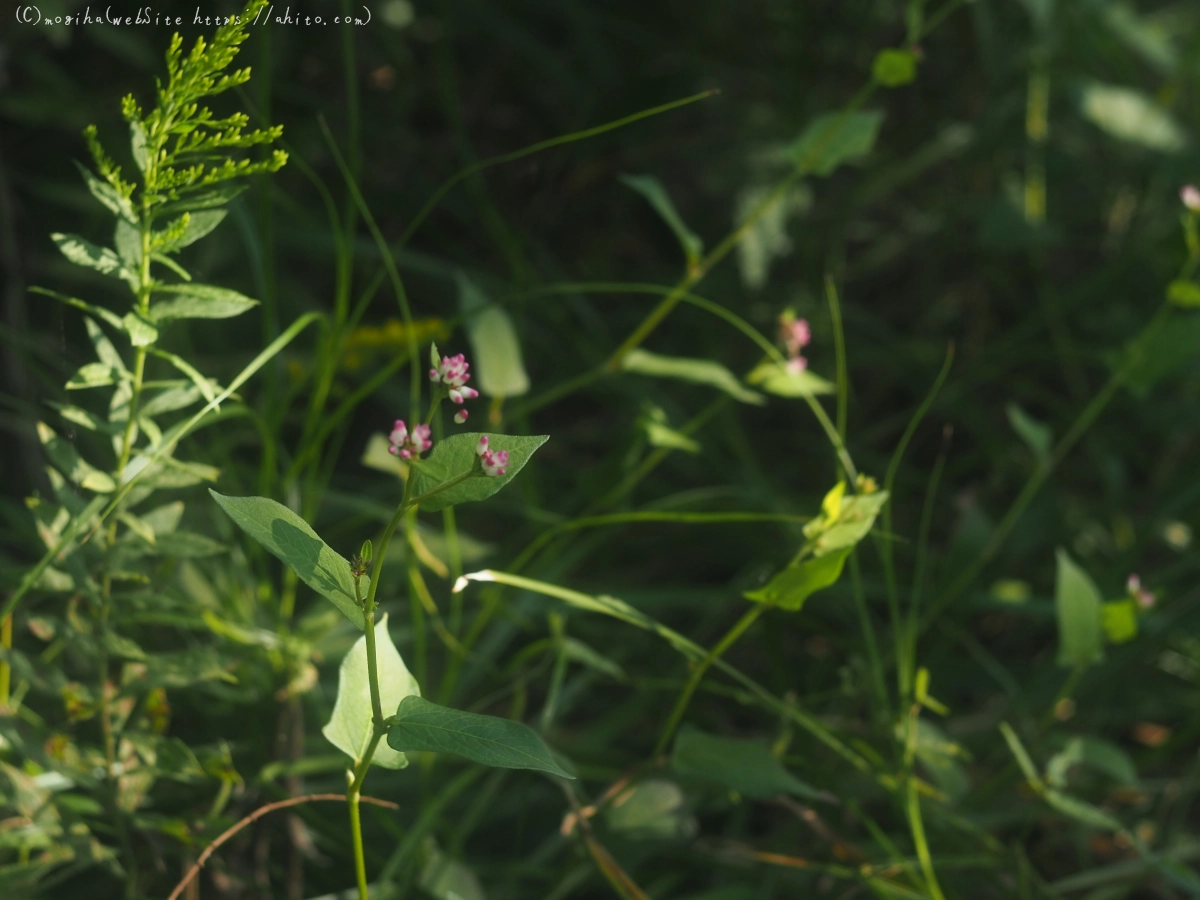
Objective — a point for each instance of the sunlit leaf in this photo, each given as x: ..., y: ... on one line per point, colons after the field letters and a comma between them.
x: 1131, y: 116
x: 496, y: 362
x: 701, y: 371
x: 775, y: 378
x: 455, y: 456
x: 350, y: 727
x: 791, y: 587
x: 1080, y: 630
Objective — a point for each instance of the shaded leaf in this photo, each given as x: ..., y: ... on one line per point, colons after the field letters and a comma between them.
x: 654, y: 809
x: 1037, y: 437
x: 350, y: 727
x: 745, y: 766
x: 488, y: 740
x: 73, y: 467
x: 651, y: 188
x: 445, y: 878
x: 290, y: 538
x: 835, y: 138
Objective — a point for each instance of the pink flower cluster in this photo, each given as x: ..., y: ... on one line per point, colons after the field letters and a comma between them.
x: 1145, y: 599
x: 494, y: 461
x: 795, y: 334
x: 408, y: 445
x: 452, y: 372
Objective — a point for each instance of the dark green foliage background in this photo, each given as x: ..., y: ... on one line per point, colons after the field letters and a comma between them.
x: 927, y: 250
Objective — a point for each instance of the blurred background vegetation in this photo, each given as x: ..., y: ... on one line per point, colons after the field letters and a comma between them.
x: 1020, y: 204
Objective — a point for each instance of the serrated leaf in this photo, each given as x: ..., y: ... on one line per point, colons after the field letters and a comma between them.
x: 1037, y: 436
x: 651, y: 188
x: 292, y: 540
x: 778, y: 379
x: 488, y: 740
x: 1130, y: 115
x: 745, y: 766
x: 835, y: 138
x: 199, y: 301
x: 1080, y: 629
x: 1184, y: 293
x: 455, y: 456
x: 497, y: 349
x: 211, y: 199
x: 84, y: 253
x: 700, y: 371
x: 790, y: 588
x: 350, y: 727
x: 179, y: 396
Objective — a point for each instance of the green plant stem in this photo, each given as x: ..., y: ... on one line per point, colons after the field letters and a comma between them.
x: 739, y: 627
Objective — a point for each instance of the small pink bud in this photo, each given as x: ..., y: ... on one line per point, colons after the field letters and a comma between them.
x: 482, y: 447
x: 406, y: 445
x: 1145, y: 599
x: 797, y: 364
x: 460, y: 416
x: 1190, y: 195
x: 494, y: 462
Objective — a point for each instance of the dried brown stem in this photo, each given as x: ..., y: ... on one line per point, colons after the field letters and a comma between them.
x: 254, y: 816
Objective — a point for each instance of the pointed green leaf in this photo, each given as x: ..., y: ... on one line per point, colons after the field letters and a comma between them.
x: 199, y: 301
x: 701, y: 371
x: 650, y: 188
x: 745, y: 766
x: 1080, y: 628
x: 85, y: 253
x: 494, y: 341
x: 92, y: 375
x: 73, y: 467
x: 199, y: 225
x: 137, y: 142
x: 454, y: 456
x: 350, y: 727
x: 489, y: 740
x: 853, y: 520
x: 651, y: 810
x: 1084, y: 813
x: 835, y: 138
x: 777, y: 379
x: 290, y: 538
